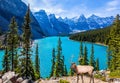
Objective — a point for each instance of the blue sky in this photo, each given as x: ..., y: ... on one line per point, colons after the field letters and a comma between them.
x: 73, y: 8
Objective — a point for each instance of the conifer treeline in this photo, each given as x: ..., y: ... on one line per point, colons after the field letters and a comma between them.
x: 114, y: 47
x: 58, y: 68
x: 20, y: 62
x: 98, y: 35
x: 83, y: 57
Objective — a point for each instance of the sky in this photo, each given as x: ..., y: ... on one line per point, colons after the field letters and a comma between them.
x: 74, y: 8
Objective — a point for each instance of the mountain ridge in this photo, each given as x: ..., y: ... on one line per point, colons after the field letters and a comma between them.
x: 75, y: 24
x: 43, y: 25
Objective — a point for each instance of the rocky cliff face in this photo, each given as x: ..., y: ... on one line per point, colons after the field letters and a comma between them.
x: 51, y: 25
x: 16, y: 8
x: 45, y: 24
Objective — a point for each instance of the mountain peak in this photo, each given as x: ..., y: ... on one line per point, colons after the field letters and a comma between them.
x: 40, y: 12
x: 82, y: 18
x: 52, y: 16
x: 60, y: 19
x: 82, y: 15
x: 94, y: 16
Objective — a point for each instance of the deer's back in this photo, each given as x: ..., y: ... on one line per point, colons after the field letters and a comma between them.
x: 84, y: 69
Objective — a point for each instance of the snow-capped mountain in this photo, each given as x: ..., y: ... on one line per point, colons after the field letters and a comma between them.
x: 56, y: 26
x: 92, y: 21
x: 99, y: 22
x: 82, y: 23
x: 51, y: 25
x: 16, y: 8
x: 45, y: 23
x: 48, y: 25
x: 61, y: 27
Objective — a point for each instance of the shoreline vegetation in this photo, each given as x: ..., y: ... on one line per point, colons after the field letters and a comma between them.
x: 98, y: 43
x: 2, y: 47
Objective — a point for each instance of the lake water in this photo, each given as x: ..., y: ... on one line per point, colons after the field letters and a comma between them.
x: 70, y: 50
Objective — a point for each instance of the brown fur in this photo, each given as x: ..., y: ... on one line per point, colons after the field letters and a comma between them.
x: 82, y: 69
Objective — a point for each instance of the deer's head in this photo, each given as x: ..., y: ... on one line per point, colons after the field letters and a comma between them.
x: 74, y: 67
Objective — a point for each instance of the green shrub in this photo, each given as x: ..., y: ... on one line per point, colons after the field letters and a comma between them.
x: 63, y: 81
x: 98, y: 76
x: 36, y: 76
x: 115, y: 74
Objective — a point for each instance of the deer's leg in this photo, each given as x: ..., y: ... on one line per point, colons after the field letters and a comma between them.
x: 77, y: 78
x: 93, y: 78
x: 90, y: 78
x: 82, y: 78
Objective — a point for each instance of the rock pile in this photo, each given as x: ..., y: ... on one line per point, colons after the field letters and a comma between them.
x: 11, y: 77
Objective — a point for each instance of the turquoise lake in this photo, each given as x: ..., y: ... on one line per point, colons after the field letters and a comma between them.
x: 70, y: 50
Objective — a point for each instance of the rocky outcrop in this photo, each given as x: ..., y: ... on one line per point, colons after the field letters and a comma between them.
x: 11, y: 77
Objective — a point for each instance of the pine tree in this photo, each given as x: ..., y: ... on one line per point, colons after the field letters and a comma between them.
x: 16, y: 63
x: 37, y: 63
x: 85, y: 57
x: 63, y: 67
x: 58, y: 60
x: 27, y: 69
x: 6, y: 62
x: 97, y: 64
x: 114, y: 45
x: 12, y: 42
x: 92, y: 60
x: 108, y: 58
x: 53, y: 63
x: 71, y: 73
x: 59, y: 67
x: 65, y: 71
x: 81, y: 48
x: 81, y: 54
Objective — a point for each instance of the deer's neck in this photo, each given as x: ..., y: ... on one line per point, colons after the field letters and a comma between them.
x: 76, y: 70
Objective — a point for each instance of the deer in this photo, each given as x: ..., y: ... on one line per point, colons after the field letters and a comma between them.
x: 82, y: 69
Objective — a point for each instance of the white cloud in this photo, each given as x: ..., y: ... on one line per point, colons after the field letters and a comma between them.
x: 111, y: 9
x: 59, y: 9
x: 113, y: 5
x: 46, y: 5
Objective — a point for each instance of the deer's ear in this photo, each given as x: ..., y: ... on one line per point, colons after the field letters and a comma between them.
x: 73, y: 63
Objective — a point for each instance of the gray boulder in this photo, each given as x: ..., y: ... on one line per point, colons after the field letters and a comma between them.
x: 27, y: 81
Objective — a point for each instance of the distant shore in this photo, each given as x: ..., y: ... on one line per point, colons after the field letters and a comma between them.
x: 101, y: 44
x: 91, y: 42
